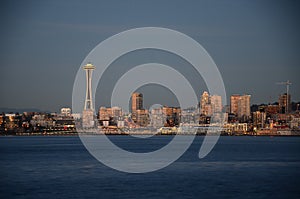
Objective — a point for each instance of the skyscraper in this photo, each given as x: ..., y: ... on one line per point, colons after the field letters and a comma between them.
x: 244, y: 107
x: 284, y: 103
x: 136, y: 104
x: 136, y: 101
x: 234, y: 102
x: 210, y: 107
x: 205, y: 105
x: 240, y: 106
x: 216, y: 103
x: 88, y: 112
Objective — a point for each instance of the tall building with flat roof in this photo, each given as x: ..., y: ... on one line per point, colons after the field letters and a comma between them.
x: 244, y: 106
x: 259, y: 119
x: 216, y: 103
x: 234, y: 103
x: 240, y: 106
x: 284, y: 102
x: 136, y: 101
x: 136, y: 106
x: 205, y: 105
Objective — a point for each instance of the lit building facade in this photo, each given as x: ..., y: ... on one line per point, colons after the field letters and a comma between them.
x: 171, y: 116
x: 259, y: 119
x: 234, y: 104
x: 136, y: 105
x: 65, y: 111
x: 142, y: 117
x: 244, y: 107
x: 157, y: 118
x: 110, y: 113
x: 284, y: 102
x: 137, y: 101
x: 240, y: 106
x: 216, y: 103
x: 210, y: 104
x: 205, y: 105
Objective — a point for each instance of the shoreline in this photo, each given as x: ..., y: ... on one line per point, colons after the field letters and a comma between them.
x: 119, y: 134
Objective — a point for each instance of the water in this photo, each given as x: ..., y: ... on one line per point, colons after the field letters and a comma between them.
x: 238, y: 167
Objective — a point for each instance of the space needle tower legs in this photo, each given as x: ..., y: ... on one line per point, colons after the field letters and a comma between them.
x: 88, y: 112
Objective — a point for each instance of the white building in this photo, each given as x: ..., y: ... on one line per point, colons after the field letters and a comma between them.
x: 65, y: 111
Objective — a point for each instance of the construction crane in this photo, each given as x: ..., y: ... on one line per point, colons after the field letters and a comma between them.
x: 287, y: 83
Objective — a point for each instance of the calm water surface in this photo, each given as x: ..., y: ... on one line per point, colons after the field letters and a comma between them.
x: 238, y: 167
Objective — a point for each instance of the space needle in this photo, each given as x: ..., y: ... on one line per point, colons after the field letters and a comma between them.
x: 88, y: 111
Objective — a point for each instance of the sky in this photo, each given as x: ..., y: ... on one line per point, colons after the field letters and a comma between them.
x: 43, y: 43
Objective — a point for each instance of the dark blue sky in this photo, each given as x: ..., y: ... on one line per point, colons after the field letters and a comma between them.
x: 254, y: 43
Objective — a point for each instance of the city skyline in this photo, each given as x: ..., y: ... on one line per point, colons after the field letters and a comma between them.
x: 237, y: 119
x: 254, y: 44
x: 150, y: 99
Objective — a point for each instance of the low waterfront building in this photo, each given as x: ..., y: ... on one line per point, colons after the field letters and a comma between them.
x: 110, y: 114
x: 233, y: 128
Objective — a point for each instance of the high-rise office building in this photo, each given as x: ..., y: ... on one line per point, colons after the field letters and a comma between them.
x: 259, y: 119
x: 205, y: 104
x: 138, y: 114
x: 216, y: 103
x: 244, y: 107
x: 284, y: 102
x: 204, y: 98
x: 234, y: 102
x: 136, y: 101
x: 240, y: 106
x: 210, y: 104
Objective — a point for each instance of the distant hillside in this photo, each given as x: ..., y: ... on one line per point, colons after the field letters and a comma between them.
x: 19, y: 110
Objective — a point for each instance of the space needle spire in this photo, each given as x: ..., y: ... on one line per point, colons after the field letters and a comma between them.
x: 88, y: 111
x: 88, y: 105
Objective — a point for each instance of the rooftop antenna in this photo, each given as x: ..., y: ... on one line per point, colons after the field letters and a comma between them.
x: 287, y: 83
